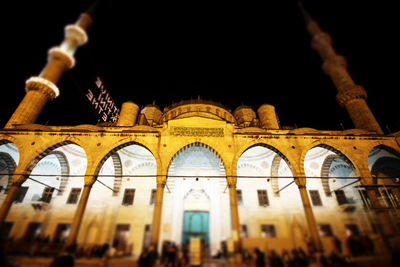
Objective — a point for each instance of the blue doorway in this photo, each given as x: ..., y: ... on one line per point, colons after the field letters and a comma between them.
x: 196, y: 224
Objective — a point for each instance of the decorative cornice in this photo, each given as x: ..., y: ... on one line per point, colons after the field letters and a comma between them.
x: 76, y: 33
x: 351, y: 93
x: 59, y: 53
x: 43, y: 85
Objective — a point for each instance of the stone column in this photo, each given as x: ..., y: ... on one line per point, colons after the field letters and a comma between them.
x: 311, y: 222
x: 80, y: 210
x: 18, y: 180
x: 235, y: 222
x: 155, y: 234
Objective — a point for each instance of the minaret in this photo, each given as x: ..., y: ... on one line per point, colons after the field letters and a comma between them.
x: 350, y: 95
x: 42, y: 88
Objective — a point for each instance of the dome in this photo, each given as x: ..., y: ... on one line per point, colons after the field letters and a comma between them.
x: 198, y: 107
x: 244, y: 115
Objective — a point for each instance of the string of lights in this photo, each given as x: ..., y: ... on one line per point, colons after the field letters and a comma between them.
x: 357, y: 179
x: 198, y: 176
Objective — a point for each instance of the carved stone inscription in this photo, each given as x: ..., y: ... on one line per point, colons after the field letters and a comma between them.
x: 197, y: 131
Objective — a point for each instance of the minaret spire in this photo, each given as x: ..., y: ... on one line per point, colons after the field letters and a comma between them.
x: 350, y: 95
x: 42, y: 88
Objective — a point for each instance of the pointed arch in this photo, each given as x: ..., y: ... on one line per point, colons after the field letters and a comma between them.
x: 196, y: 144
x: 8, y: 169
x: 325, y: 174
x: 118, y: 173
x: 340, y: 154
x: 64, y: 170
x: 113, y: 153
x: 10, y: 148
x: 274, y: 174
x: 47, y: 151
x: 197, y: 182
x: 271, y: 165
x: 387, y: 165
x: 384, y: 163
x: 326, y: 164
x: 273, y: 149
x: 7, y: 140
x: 63, y: 167
x: 376, y: 149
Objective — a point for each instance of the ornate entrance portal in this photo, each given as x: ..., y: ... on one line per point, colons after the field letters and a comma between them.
x: 196, y: 224
x: 196, y: 199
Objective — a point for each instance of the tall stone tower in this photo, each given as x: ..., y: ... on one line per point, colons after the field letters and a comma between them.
x: 350, y: 95
x: 40, y: 89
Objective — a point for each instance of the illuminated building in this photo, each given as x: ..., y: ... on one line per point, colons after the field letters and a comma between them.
x: 237, y: 179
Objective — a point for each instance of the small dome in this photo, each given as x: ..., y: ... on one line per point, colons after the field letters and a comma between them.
x: 244, y: 115
x: 152, y: 114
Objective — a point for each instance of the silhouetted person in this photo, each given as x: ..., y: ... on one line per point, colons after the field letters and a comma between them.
x: 275, y: 260
x: 324, y: 262
x: 65, y: 258
x: 148, y: 257
x: 286, y: 258
x: 260, y: 257
x: 395, y: 255
x: 338, y: 244
x: 355, y: 245
x: 3, y: 257
x: 144, y: 258
x: 246, y: 256
x: 172, y: 255
x: 164, y: 252
x: 337, y: 260
x: 367, y: 244
x: 153, y: 254
x: 298, y: 259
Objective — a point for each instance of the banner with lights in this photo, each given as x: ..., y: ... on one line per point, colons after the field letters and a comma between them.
x: 102, y: 103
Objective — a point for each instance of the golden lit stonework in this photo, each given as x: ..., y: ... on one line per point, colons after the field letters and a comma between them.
x: 47, y: 87
x: 197, y: 178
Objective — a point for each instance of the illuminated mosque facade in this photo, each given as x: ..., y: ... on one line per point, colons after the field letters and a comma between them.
x: 196, y: 169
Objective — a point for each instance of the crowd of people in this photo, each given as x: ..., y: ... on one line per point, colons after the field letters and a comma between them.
x: 293, y: 258
x: 357, y: 245
x: 360, y: 245
x: 45, y: 247
x: 172, y: 255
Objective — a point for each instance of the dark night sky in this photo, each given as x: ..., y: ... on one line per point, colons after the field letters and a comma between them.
x: 236, y: 53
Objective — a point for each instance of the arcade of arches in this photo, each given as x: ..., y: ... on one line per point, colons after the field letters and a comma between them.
x: 196, y: 171
x: 197, y: 175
